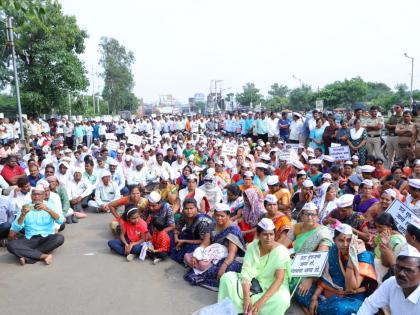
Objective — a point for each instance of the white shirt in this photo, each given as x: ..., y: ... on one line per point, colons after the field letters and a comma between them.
x: 273, y: 127
x: 295, y: 129
x: 81, y: 189
x: 105, y: 194
x: 390, y: 293
x: 15, y: 204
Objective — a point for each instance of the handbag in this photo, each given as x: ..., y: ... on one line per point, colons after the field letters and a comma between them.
x: 255, y: 287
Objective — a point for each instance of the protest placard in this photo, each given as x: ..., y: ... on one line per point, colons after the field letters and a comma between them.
x: 309, y: 264
x: 110, y: 136
x: 229, y: 149
x: 401, y: 214
x: 341, y: 153
x: 112, y: 145
x: 134, y: 139
x: 294, y: 146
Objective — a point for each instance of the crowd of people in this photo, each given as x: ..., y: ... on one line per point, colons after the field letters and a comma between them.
x: 232, y: 198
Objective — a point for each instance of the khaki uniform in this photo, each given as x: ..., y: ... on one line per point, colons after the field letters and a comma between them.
x: 374, y: 137
x: 405, y: 143
x: 417, y: 124
x: 392, y: 139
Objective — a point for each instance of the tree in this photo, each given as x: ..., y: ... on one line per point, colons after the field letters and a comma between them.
x: 47, y: 51
x: 279, y: 90
x: 302, y: 98
x: 249, y: 95
x: 119, y: 81
x: 344, y: 93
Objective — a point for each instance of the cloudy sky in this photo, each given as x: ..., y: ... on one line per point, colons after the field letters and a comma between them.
x: 180, y: 45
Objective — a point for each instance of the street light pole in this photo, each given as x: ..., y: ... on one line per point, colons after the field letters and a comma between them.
x: 412, y: 73
x: 10, y: 39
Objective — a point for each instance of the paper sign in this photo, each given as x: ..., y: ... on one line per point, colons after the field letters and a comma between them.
x: 401, y: 214
x: 110, y: 136
x: 341, y: 153
x: 294, y: 146
x: 112, y: 145
x: 309, y: 264
x: 134, y: 139
x: 229, y: 149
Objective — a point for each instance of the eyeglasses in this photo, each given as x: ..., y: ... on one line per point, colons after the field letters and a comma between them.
x: 310, y: 214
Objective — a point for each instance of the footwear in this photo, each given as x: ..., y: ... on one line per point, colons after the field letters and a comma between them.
x: 69, y: 220
x: 3, y: 242
x: 156, y: 261
x: 130, y: 257
x: 74, y: 219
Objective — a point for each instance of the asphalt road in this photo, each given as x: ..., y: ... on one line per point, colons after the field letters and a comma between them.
x: 86, y: 278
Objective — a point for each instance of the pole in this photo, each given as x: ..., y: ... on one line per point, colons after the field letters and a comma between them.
x: 69, y: 105
x: 411, y: 85
x: 93, y: 91
x: 12, y: 45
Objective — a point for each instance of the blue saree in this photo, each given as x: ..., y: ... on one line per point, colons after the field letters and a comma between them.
x: 209, y: 277
x: 333, y: 278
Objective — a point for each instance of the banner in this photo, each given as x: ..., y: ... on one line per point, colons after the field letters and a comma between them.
x: 229, y: 149
x: 110, y: 136
x: 112, y: 145
x: 401, y: 214
x: 309, y: 264
x: 341, y: 153
x: 134, y: 139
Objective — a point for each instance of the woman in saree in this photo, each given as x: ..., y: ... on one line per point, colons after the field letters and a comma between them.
x: 357, y: 141
x: 182, y: 181
x: 308, y: 236
x: 315, y: 174
x: 387, y: 197
x: 348, y: 278
x: 365, y: 199
x: 207, y: 272
x: 388, y: 243
x: 192, y: 191
x: 266, y: 263
x: 280, y: 220
x: 250, y: 214
x: 326, y: 202
x: 117, y: 207
x: 192, y: 230
x: 235, y: 201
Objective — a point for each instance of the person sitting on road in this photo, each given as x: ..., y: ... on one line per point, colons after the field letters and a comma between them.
x: 105, y: 192
x: 38, y: 221
x: 68, y: 213
x: 160, y: 240
x: 20, y: 195
x: 79, y: 190
x: 133, y: 234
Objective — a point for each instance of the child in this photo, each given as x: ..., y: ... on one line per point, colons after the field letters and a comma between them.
x: 133, y: 234
x: 160, y: 241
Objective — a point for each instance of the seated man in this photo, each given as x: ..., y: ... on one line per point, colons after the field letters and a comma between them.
x: 79, y: 190
x: 11, y: 171
x: 34, y: 175
x: 117, y: 177
x: 68, y: 213
x: 20, y: 195
x: 38, y: 221
x: 105, y: 192
x: 6, y: 218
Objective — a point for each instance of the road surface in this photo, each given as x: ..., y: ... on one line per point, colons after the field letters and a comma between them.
x: 86, y: 278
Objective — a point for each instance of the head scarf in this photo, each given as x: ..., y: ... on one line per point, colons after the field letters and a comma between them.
x: 254, y: 212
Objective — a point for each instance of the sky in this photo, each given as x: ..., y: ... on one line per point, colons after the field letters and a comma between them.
x: 181, y: 45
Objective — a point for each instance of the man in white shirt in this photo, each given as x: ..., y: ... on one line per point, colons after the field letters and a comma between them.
x: 105, y: 192
x: 79, y: 190
x: 296, y: 127
x: 178, y: 166
x: 273, y: 127
x: 20, y: 196
x: 402, y: 292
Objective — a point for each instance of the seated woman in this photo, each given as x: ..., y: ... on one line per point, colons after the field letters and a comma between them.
x: 212, y: 191
x: 387, y: 197
x: 235, y: 201
x: 326, y: 202
x: 250, y: 214
x: 262, y: 287
x: 348, y: 277
x: 388, y: 244
x: 133, y: 234
x: 117, y: 207
x: 365, y: 199
x: 182, y: 181
x: 193, y: 192
x: 308, y: 236
x: 168, y: 191
x: 207, y: 270
x: 192, y: 230
x: 345, y: 214
x: 280, y: 220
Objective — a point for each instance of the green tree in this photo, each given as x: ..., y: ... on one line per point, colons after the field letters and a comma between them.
x: 249, y: 95
x: 119, y: 80
x: 302, y: 98
x: 47, y: 51
x: 376, y: 89
x: 279, y: 90
x: 344, y: 93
